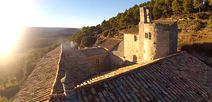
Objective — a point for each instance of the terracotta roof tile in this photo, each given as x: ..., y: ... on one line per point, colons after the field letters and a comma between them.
x: 134, y: 30
x: 38, y: 85
x: 109, y: 44
x: 175, y: 78
x: 93, y: 51
x: 170, y: 22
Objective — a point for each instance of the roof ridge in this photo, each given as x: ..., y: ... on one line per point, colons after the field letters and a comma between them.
x: 122, y: 70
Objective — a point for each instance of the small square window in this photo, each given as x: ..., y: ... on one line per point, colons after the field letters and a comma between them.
x: 150, y: 36
x: 146, y: 35
x: 135, y: 38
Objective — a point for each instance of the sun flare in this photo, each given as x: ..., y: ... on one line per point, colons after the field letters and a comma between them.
x: 14, y: 16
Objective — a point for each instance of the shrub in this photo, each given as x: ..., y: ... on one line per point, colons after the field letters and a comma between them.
x: 195, y: 25
x: 3, y: 99
x: 209, y: 23
x: 88, y: 41
x: 202, y: 15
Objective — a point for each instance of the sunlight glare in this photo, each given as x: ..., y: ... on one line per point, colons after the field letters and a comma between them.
x: 14, y: 14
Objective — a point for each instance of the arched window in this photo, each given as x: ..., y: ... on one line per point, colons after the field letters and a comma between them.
x: 150, y: 36
x: 135, y: 38
x: 134, y: 58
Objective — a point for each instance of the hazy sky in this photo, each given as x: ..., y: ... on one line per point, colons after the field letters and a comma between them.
x: 78, y: 13
x: 61, y: 13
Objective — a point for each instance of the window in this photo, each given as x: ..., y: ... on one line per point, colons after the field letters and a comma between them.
x: 146, y: 35
x: 135, y: 38
x: 150, y: 36
x: 147, y: 15
x: 134, y: 58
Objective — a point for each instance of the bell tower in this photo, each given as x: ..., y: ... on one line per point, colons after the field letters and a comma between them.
x: 146, y: 15
x: 146, y: 20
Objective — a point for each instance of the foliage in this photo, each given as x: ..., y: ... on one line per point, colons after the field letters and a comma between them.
x: 3, y: 99
x: 88, y: 41
x: 209, y: 23
x: 130, y: 18
x: 157, y: 11
x: 10, y: 86
x: 203, y: 15
x: 10, y: 91
x: 198, y: 4
x: 176, y: 7
x: 188, y: 6
x: 108, y: 28
x: 210, y: 2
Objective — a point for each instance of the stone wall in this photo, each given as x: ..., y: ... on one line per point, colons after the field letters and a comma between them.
x: 149, y: 44
x: 166, y: 39
x: 98, y: 62
x: 131, y: 47
x: 74, y: 62
x: 162, y: 43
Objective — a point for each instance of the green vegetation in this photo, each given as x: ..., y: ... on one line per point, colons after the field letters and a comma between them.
x: 194, y: 12
x: 108, y: 28
x: 209, y: 23
x: 4, y: 99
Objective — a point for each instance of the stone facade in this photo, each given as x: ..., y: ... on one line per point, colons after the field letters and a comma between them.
x: 155, y: 39
x: 98, y: 62
x: 131, y: 47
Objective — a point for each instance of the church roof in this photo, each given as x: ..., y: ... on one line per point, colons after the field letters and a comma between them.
x: 38, y: 85
x: 110, y: 43
x: 170, y: 22
x: 93, y: 51
x: 134, y: 30
x: 180, y: 77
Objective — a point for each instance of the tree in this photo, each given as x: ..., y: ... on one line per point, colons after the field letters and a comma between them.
x: 210, y: 2
x: 198, y: 4
x: 157, y: 10
x: 176, y: 7
x: 188, y: 6
x: 168, y: 4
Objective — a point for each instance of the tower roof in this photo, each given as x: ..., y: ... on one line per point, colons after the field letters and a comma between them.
x: 170, y: 22
x: 110, y: 43
x: 93, y: 51
x: 134, y: 30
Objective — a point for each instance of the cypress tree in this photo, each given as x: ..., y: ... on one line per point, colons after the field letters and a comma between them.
x: 157, y: 10
x: 176, y: 7
x: 188, y: 6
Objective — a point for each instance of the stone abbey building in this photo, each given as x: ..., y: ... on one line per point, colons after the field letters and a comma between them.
x: 105, y: 73
x: 151, y: 40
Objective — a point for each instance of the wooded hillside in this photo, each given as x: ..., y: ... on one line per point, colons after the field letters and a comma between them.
x: 197, y: 11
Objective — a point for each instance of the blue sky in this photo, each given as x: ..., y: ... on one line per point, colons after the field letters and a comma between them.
x: 78, y: 13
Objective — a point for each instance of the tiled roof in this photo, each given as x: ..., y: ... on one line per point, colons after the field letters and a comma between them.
x: 170, y: 22
x: 93, y: 51
x: 38, y: 85
x: 176, y: 78
x: 110, y: 43
x: 74, y: 62
x: 119, y: 51
x: 134, y: 30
